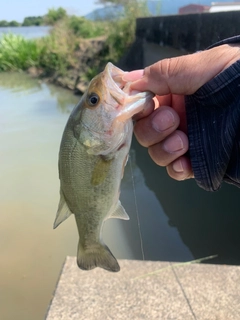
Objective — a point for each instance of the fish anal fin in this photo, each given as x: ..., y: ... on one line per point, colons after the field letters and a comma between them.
x: 63, y: 212
x: 119, y: 212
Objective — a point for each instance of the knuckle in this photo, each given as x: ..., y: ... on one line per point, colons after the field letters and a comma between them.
x: 168, y: 67
x: 156, y: 155
x: 140, y: 135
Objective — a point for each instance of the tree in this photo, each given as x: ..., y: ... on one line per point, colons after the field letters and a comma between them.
x: 3, y: 23
x: 32, y: 21
x: 14, y: 23
x: 55, y: 15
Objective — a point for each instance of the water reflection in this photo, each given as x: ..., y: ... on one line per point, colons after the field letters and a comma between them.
x: 160, y: 240
x: 31, y: 253
x: 208, y: 223
x: 18, y: 82
x: 23, y: 84
x: 65, y: 101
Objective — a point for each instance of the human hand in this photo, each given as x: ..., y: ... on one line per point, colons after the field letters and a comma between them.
x: 162, y: 126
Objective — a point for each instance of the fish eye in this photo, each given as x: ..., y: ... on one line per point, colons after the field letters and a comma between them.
x: 93, y: 99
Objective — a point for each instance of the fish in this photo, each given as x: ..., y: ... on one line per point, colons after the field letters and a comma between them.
x: 93, y: 153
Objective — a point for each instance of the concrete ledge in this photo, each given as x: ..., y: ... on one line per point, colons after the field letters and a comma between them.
x: 196, y: 291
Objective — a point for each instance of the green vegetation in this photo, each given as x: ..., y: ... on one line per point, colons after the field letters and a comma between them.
x: 13, y: 23
x: 17, y: 53
x: 58, y: 52
x: 54, y: 15
x: 51, y: 53
x: 49, y: 19
x: 33, y: 21
x: 122, y: 31
x: 86, y: 29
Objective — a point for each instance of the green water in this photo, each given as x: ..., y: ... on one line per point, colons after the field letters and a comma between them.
x: 32, y: 116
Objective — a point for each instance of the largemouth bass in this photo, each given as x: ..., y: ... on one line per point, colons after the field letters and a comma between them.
x: 93, y: 153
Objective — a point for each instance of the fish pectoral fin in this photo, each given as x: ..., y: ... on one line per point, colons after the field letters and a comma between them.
x: 63, y: 212
x: 119, y: 212
x: 100, y: 170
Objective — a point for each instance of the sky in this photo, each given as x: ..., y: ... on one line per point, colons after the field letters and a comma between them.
x: 19, y: 9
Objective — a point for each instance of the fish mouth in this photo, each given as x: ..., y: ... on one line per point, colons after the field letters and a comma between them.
x: 129, y: 102
x: 114, y: 82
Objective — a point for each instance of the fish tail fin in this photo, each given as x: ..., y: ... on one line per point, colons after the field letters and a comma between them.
x: 98, y: 255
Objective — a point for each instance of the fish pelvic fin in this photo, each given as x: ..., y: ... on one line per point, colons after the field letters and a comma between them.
x: 63, y: 212
x: 97, y: 255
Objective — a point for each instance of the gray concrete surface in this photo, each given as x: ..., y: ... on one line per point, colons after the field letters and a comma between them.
x: 188, y: 292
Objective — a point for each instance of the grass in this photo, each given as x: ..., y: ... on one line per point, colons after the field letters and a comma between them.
x: 17, y: 53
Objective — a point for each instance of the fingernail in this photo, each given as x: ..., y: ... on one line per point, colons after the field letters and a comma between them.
x: 163, y: 120
x: 173, y: 144
x: 177, y: 166
x: 133, y: 75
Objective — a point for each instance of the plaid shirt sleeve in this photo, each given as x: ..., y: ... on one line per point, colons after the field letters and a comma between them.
x: 213, y: 116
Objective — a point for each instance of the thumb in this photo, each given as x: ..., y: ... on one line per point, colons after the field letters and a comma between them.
x: 184, y: 74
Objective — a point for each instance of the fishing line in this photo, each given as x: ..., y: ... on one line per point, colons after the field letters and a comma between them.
x: 137, y: 212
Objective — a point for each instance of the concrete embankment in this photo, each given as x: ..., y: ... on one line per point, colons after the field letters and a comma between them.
x: 179, y: 292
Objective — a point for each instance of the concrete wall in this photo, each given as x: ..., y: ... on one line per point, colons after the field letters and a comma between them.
x: 189, y: 32
x: 167, y: 36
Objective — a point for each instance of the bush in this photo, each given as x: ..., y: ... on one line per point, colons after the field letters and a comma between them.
x: 84, y: 28
x: 57, y: 49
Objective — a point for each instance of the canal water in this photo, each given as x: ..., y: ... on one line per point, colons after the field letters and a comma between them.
x: 32, y: 32
x: 176, y: 221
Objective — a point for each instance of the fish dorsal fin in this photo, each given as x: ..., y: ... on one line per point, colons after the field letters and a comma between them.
x: 119, y: 212
x: 63, y: 212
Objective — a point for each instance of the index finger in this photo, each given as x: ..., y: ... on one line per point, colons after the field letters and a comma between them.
x: 185, y: 74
